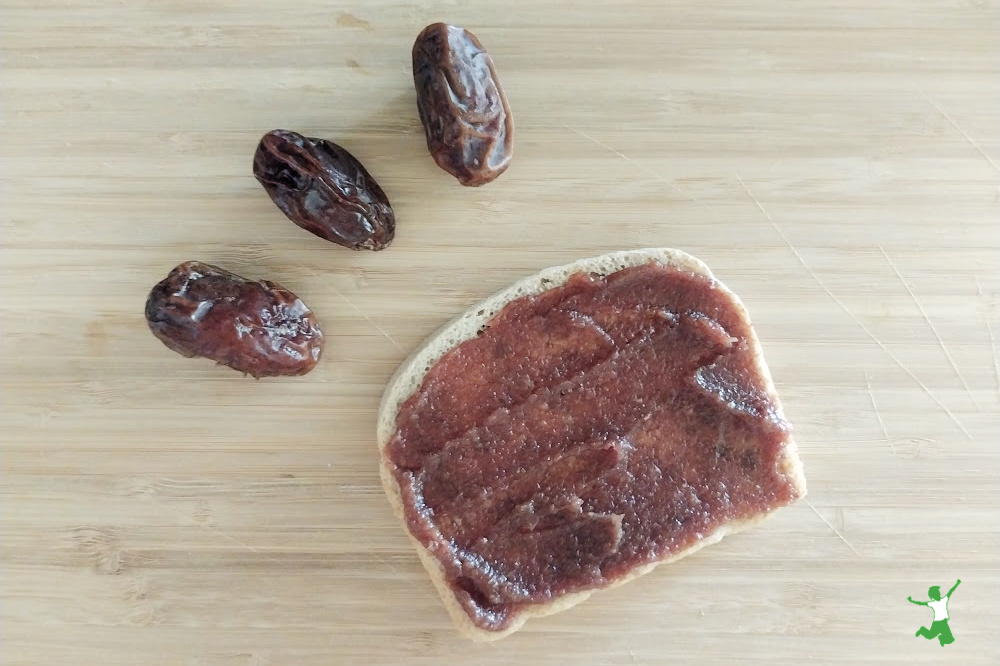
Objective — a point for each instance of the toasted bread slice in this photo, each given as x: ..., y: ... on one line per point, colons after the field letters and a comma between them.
x: 410, y: 375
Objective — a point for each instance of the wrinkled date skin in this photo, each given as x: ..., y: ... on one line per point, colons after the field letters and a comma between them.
x: 470, y: 132
x: 258, y: 328
x: 325, y: 190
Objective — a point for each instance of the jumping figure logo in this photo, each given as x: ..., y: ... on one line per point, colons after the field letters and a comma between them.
x: 939, y: 629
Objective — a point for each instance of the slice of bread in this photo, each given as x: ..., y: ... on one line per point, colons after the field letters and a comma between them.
x: 409, y: 377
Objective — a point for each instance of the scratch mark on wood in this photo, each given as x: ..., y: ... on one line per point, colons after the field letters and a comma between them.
x: 878, y: 342
x: 830, y: 525
x: 989, y: 332
x: 363, y: 315
x: 346, y: 300
x: 638, y: 166
x: 214, y: 530
x: 850, y: 314
x: 878, y: 414
x: 761, y: 207
x: 388, y: 563
x: 632, y: 654
x: 230, y: 537
x: 930, y: 324
x: 961, y: 131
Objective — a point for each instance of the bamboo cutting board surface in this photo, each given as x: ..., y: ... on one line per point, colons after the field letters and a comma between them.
x: 835, y: 163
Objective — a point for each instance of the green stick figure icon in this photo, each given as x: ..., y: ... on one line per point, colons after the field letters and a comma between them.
x: 939, y: 628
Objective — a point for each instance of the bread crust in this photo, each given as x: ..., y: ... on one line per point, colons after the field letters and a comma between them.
x: 410, y: 374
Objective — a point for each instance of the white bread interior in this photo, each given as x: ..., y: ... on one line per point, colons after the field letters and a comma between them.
x: 411, y: 372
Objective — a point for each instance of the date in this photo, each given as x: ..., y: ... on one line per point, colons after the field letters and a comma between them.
x: 325, y: 190
x: 469, y: 128
x: 256, y: 327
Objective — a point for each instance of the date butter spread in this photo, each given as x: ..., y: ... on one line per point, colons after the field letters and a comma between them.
x: 588, y: 430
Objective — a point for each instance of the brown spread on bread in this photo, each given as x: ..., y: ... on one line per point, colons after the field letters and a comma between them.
x: 587, y: 431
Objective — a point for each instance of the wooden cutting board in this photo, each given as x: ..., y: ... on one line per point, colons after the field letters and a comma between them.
x: 835, y: 163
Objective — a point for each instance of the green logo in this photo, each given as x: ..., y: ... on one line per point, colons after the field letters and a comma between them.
x: 939, y: 628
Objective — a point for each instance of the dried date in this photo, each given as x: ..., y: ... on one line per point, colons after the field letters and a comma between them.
x: 469, y: 128
x: 325, y: 190
x: 259, y: 328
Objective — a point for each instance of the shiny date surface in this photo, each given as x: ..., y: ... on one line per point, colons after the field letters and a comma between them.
x: 255, y: 327
x: 466, y: 118
x: 325, y: 190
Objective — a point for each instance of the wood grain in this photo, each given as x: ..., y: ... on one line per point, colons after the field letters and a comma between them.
x: 834, y: 162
